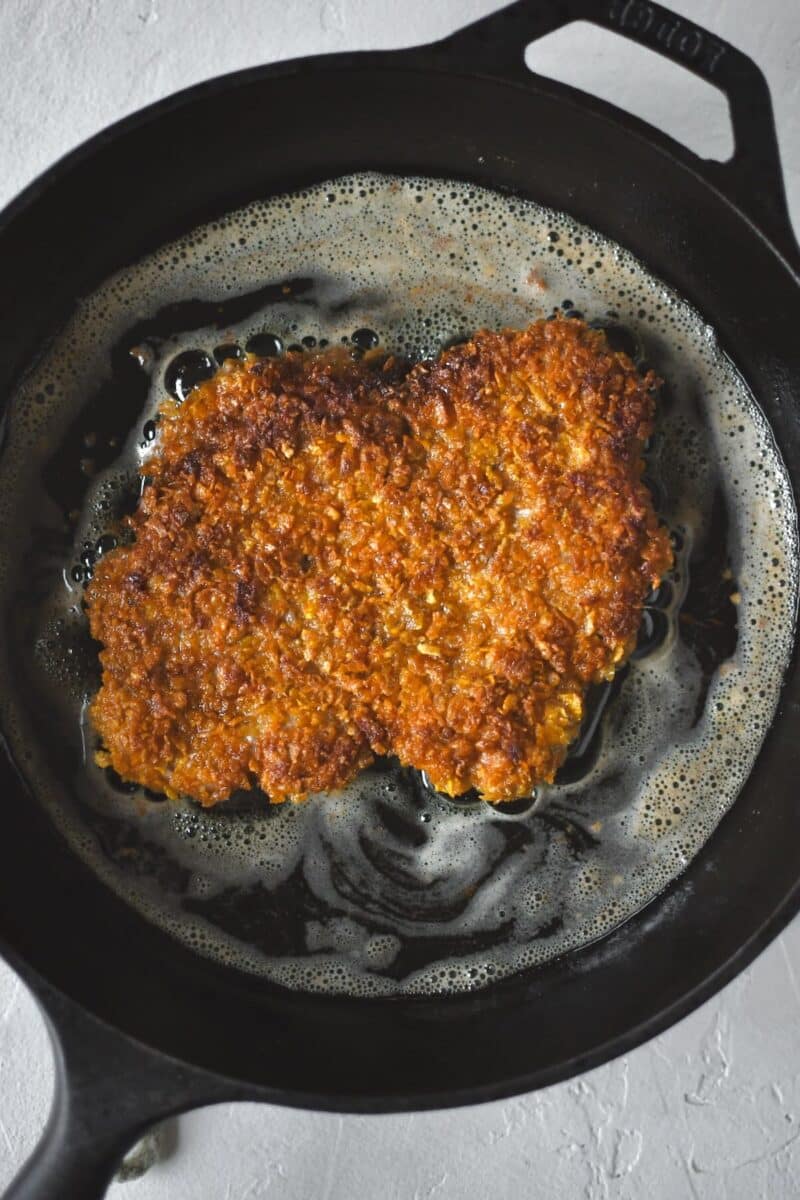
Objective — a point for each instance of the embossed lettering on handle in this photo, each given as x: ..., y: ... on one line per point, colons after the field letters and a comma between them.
x: 677, y: 36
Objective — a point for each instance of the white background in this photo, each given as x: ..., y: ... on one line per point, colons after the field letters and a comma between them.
x: 710, y: 1110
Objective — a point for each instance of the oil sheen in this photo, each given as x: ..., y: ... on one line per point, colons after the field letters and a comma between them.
x: 389, y: 887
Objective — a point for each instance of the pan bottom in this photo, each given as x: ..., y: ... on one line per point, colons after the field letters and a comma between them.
x: 388, y: 887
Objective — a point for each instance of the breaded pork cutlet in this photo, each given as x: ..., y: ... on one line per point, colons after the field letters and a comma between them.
x: 339, y: 559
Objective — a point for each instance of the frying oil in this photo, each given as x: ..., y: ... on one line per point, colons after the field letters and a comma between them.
x: 388, y: 887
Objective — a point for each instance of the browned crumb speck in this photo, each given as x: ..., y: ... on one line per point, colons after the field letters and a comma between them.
x: 338, y: 559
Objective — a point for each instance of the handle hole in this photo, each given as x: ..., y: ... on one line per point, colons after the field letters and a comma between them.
x: 640, y: 81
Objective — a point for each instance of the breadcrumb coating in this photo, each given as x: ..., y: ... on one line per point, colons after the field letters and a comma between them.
x: 337, y: 559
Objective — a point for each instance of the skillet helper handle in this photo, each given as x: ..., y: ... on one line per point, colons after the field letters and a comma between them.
x: 108, y: 1092
x: 752, y: 178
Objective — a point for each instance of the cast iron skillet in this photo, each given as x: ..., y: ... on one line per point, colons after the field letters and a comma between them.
x: 141, y: 1027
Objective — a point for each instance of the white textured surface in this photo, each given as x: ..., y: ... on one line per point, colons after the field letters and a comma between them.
x: 710, y: 1110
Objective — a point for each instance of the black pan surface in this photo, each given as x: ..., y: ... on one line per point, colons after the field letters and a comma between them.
x: 145, y: 1026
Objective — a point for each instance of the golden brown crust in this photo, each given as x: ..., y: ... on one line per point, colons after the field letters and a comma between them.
x: 333, y: 561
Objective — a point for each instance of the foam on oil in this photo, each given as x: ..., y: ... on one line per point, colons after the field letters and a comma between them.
x: 388, y: 887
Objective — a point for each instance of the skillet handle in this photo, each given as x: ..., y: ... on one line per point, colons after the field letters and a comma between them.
x: 108, y: 1092
x: 752, y: 178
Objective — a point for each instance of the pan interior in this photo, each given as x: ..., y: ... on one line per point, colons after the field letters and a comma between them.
x: 389, y: 887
